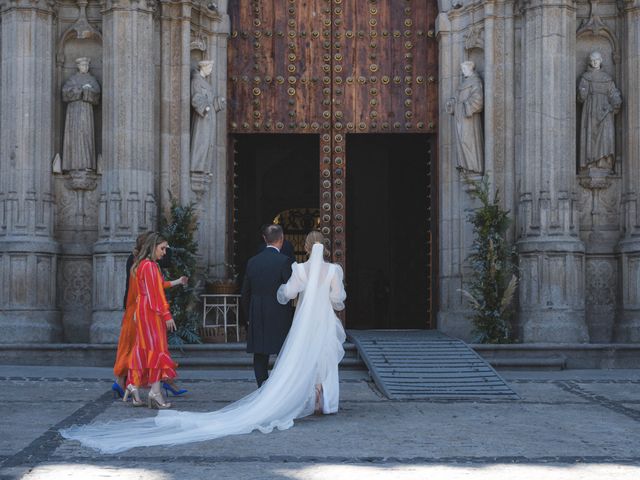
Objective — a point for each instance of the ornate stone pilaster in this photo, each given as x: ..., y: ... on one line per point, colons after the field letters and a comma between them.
x: 127, y: 204
x: 552, y: 299
x: 452, y: 311
x: 28, y: 251
x: 627, y: 328
x: 209, y: 192
x: 175, y: 99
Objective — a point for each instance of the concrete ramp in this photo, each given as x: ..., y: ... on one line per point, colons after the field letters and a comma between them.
x: 414, y: 364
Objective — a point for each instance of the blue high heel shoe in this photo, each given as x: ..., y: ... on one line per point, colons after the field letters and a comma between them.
x: 168, y: 388
x: 117, y: 390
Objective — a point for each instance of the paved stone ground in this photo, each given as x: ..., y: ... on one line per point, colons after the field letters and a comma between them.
x: 573, y: 425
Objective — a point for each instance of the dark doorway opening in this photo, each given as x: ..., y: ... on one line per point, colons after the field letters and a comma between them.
x: 275, y: 176
x: 389, y: 231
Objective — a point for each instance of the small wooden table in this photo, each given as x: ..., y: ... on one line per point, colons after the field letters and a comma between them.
x: 226, y: 312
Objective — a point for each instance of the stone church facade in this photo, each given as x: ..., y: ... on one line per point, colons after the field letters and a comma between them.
x: 514, y: 93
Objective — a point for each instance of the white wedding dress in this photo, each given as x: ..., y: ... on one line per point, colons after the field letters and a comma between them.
x: 310, y: 355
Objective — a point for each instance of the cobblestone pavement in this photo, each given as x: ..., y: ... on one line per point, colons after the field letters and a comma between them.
x: 573, y: 425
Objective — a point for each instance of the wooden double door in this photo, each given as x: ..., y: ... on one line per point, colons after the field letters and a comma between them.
x: 359, y: 78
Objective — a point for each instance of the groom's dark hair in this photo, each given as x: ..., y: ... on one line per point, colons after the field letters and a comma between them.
x: 273, y: 233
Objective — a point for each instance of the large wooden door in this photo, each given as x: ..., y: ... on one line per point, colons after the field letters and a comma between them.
x: 333, y: 68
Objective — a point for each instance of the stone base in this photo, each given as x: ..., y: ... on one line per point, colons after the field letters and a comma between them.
x: 551, y: 291
x: 76, y: 325
x: 553, y: 326
x: 600, y: 321
x: 534, y: 356
x: 456, y: 323
x: 105, y: 326
x: 33, y: 326
x: 627, y: 328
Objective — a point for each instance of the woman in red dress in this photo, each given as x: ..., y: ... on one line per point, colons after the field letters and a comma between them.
x: 150, y: 362
x: 128, y: 330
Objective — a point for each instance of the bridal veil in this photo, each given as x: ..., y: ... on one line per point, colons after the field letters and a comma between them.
x: 310, y: 355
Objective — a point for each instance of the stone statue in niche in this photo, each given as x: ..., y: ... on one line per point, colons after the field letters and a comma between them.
x: 601, y: 101
x: 466, y: 107
x: 81, y: 93
x: 203, y: 120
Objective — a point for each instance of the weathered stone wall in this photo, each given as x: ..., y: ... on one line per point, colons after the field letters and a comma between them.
x: 575, y: 230
x: 65, y: 234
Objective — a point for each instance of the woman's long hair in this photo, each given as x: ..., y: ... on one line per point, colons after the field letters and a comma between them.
x: 148, y: 249
x: 313, y: 237
x: 140, y: 242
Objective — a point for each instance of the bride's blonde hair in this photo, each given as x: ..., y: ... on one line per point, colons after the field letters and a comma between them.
x: 314, y: 237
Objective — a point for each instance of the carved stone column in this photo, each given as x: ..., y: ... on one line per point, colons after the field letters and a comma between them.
x: 175, y: 100
x: 627, y: 328
x: 127, y: 204
x: 28, y: 251
x: 552, y: 300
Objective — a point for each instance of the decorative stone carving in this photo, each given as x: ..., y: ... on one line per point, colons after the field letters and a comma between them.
x: 203, y: 121
x: 596, y: 179
x: 76, y: 283
x: 474, y: 38
x: 601, y: 286
x: 466, y: 107
x: 81, y: 29
x: 82, y: 180
x: 602, y: 101
x: 82, y: 93
x: 200, y: 183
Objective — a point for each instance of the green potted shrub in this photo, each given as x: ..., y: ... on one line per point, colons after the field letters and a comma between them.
x: 179, y: 228
x: 494, y: 281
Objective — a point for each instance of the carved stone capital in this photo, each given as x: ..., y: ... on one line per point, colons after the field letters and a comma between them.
x: 525, y: 5
x: 47, y: 6
x: 141, y: 5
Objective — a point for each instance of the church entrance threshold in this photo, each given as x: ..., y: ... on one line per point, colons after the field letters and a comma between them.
x: 389, y: 231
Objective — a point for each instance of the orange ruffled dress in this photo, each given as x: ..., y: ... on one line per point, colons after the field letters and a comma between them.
x: 150, y: 361
x: 128, y: 329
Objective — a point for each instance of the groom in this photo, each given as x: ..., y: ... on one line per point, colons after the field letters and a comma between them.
x: 268, y: 321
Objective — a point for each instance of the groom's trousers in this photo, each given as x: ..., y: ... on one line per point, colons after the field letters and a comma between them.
x: 261, y: 367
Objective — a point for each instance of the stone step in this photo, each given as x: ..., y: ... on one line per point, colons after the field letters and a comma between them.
x: 532, y: 363
x: 210, y: 355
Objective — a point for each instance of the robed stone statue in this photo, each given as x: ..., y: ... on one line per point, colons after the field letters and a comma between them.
x: 466, y: 107
x: 203, y: 120
x: 601, y: 101
x: 81, y: 93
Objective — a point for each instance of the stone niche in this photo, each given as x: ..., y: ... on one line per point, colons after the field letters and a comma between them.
x: 76, y: 189
x: 599, y: 189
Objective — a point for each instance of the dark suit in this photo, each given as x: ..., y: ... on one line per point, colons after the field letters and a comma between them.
x: 268, y: 321
x: 287, y: 249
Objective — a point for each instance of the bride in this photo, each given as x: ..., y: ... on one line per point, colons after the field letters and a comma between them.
x: 304, y: 378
